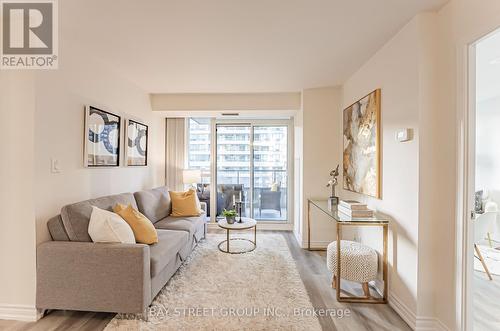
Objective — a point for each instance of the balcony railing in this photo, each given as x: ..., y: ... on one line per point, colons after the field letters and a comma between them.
x: 277, y: 176
x: 263, y: 181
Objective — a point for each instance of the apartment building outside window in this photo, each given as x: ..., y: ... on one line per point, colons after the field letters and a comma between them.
x: 250, y: 158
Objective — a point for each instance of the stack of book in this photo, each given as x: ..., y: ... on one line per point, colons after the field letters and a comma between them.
x: 354, y: 209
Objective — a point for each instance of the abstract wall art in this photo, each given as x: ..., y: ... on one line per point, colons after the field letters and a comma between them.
x: 102, y: 138
x: 361, y: 159
x: 137, y: 144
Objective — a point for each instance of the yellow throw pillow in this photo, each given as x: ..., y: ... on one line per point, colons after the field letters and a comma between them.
x: 185, y: 203
x: 143, y: 229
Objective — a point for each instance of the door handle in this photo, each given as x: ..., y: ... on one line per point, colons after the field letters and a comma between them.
x: 473, y: 215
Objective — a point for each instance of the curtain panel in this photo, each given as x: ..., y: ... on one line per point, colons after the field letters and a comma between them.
x: 175, y: 153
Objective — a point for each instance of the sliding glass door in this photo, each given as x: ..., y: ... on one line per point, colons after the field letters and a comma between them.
x: 270, y: 172
x: 233, y: 167
x: 252, y: 165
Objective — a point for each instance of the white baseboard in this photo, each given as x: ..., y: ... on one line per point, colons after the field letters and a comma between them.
x: 430, y: 324
x: 298, y: 237
x: 417, y: 323
x: 403, y: 311
x: 440, y: 326
x: 19, y: 313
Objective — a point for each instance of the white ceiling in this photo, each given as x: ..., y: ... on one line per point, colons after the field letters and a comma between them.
x: 207, y: 46
x: 488, y: 67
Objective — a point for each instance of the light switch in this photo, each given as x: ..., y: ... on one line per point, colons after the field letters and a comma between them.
x: 403, y: 135
x: 55, y: 166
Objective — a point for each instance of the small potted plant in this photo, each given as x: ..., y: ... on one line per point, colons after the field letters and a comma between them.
x: 230, y: 215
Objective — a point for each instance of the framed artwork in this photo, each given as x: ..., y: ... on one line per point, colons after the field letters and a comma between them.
x: 361, y: 130
x: 137, y: 144
x: 102, y: 138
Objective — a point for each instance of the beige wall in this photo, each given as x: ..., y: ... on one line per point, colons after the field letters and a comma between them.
x: 61, y: 97
x: 422, y: 73
x: 43, y: 114
x: 320, y: 120
x: 17, y: 220
x: 298, y: 176
x: 460, y: 22
x: 394, y: 69
x: 226, y: 101
x: 429, y: 196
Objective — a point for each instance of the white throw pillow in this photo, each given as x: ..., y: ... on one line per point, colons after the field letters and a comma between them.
x: 108, y: 227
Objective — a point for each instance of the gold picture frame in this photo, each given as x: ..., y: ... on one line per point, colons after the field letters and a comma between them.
x: 361, y: 145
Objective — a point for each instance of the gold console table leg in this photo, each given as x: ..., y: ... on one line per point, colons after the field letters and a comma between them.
x: 384, y: 265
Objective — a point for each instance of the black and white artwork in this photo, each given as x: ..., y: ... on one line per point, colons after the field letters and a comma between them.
x: 137, y: 144
x: 102, y: 138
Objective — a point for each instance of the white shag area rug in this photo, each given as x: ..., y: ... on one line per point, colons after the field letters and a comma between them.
x: 491, y: 257
x: 260, y: 290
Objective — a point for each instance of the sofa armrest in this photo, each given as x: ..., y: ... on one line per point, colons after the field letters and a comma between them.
x: 93, y: 276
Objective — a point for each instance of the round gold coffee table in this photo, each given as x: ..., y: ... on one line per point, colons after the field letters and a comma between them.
x: 247, y: 223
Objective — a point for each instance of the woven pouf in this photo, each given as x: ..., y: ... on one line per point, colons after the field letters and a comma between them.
x: 358, y: 262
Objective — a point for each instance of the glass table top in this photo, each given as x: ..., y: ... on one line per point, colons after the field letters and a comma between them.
x: 339, y: 217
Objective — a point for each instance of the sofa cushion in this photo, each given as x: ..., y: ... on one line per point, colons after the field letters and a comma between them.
x: 56, y: 229
x: 76, y: 217
x: 144, y: 231
x: 155, y: 204
x: 188, y: 224
x: 185, y: 203
x: 108, y: 227
x: 166, y: 250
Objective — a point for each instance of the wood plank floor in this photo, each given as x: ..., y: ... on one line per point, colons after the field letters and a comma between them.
x: 317, y: 280
x: 314, y: 274
x: 486, y: 304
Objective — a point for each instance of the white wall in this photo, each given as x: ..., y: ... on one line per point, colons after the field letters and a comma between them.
x: 487, y: 155
x: 61, y: 97
x: 17, y: 220
x: 394, y: 69
x: 487, y: 142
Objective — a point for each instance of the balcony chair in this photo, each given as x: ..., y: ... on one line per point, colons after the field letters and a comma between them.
x: 270, y: 199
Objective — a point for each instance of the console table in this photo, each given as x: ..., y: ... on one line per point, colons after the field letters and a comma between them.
x: 341, y: 220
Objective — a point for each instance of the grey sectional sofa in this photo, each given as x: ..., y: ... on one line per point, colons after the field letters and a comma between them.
x: 73, y: 273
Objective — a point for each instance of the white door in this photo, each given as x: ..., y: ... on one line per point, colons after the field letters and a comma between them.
x: 480, y: 306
